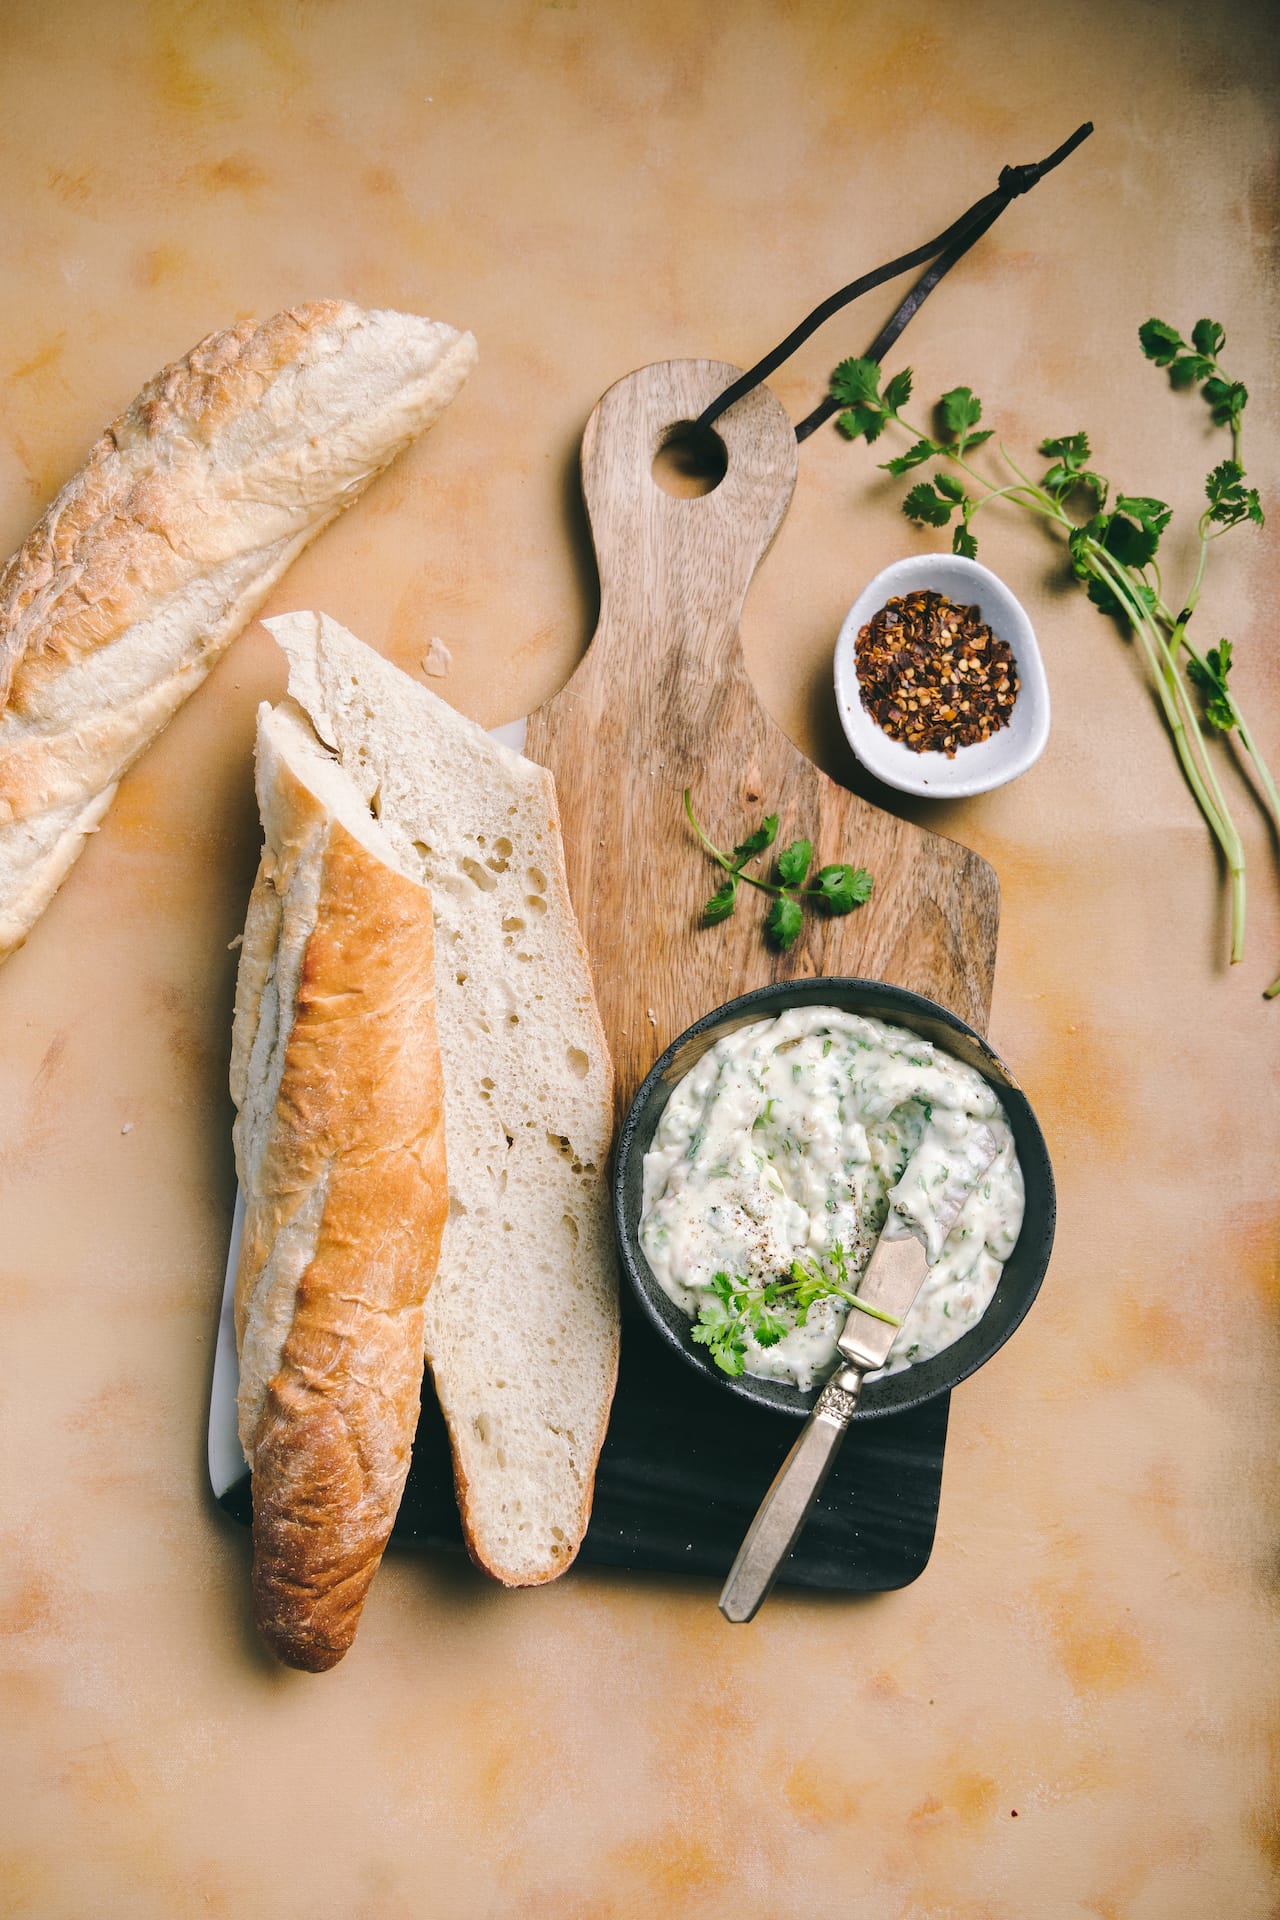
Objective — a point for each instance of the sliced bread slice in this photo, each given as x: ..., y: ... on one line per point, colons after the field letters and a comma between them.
x: 522, y: 1322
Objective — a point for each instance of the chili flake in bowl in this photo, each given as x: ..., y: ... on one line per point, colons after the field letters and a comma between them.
x: 933, y: 674
x: 939, y: 683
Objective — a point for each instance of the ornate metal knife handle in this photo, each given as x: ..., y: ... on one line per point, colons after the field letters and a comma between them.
x: 787, y: 1505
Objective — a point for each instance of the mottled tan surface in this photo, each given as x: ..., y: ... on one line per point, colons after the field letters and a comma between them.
x: 589, y: 188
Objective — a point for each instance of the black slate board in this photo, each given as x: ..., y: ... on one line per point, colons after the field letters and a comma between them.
x: 683, y: 1470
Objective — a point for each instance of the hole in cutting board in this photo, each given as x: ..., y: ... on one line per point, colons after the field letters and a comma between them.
x: 690, y: 460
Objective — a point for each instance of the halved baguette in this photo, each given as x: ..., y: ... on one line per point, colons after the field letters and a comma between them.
x: 339, y: 1139
x: 151, y: 560
x: 522, y: 1323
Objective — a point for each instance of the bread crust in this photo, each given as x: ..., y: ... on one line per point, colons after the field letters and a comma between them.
x: 521, y: 1331
x: 358, y: 1123
x: 154, y: 556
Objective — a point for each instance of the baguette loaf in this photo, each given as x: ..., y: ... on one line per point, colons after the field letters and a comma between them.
x: 522, y: 1323
x: 339, y: 1138
x: 158, y: 552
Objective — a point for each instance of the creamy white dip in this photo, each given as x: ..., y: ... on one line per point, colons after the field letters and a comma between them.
x: 794, y: 1138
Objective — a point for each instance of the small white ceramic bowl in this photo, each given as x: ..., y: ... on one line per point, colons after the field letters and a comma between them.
x: 974, y: 769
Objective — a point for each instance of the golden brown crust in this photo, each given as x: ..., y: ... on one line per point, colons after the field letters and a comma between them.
x: 150, y: 561
x: 483, y: 1557
x: 117, y: 537
x: 360, y: 1112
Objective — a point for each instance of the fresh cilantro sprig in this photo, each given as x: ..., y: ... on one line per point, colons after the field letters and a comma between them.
x: 1113, y: 544
x: 838, y: 888
x: 739, y: 1310
x: 1230, y: 501
x: 1197, y: 365
x: 1210, y: 676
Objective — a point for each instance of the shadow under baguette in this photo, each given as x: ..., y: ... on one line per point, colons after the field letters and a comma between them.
x: 683, y: 1470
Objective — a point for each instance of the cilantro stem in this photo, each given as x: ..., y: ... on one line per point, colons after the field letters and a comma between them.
x: 840, y: 1293
x: 1178, y: 711
x: 1048, y: 505
x: 1260, y: 767
x: 752, y: 1297
x: 865, y: 1306
x: 715, y: 852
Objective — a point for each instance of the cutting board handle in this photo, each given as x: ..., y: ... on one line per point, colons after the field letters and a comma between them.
x: 674, y: 572
x: 662, y: 700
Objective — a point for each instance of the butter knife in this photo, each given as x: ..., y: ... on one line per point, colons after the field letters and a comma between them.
x: 894, y: 1275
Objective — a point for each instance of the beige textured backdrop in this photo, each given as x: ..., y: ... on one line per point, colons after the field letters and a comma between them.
x: 592, y: 186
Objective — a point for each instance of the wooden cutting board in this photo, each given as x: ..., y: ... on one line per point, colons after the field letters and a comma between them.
x: 662, y: 701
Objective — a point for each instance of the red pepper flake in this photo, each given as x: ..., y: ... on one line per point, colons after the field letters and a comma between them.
x: 933, y: 675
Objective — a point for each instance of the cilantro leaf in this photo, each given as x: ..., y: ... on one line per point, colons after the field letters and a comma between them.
x: 793, y: 862
x: 1211, y: 679
x: 729, y: 1354
x: 1132, y: 536
x: 856, y: 382
x: 1069, y: 453
x: 926, y: 507
x: 964, y: 542
x: 719, y: 1328
x: 767, y: 1327
x: 1159, y: 341
x: 1188, y: 370
x: 784, y: 921
x: 859, y: 422
x: 898, y: 391
x: 960, y: 410
x: 1153, y: 515
x: 913, y: 457
x: 841, y: 887
x: 1078, y: 545
x: 949, y: 486
x: 764, y: 836
x: 1104, y: 599
x: 976, y: 439
x: 1229, y: 500
x: 722, y: 902
x: 1208, y: 337
x: 1227, y: 400
x: 1062, y: 480
x: 1097, y: 587
x: 1072, y: 449
x: 810, y: 1285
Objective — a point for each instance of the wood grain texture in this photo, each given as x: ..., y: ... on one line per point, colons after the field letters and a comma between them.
x: 662, y: 700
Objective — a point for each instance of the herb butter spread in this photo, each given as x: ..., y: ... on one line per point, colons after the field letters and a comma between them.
x: 774, y: 1169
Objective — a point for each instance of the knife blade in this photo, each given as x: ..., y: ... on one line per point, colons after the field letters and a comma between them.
x: 895, y: 1273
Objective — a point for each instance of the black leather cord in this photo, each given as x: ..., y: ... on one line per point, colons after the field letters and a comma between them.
x: 943, y: 251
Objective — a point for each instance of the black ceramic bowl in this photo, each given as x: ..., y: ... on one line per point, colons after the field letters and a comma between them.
x: 1023, y: 1271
